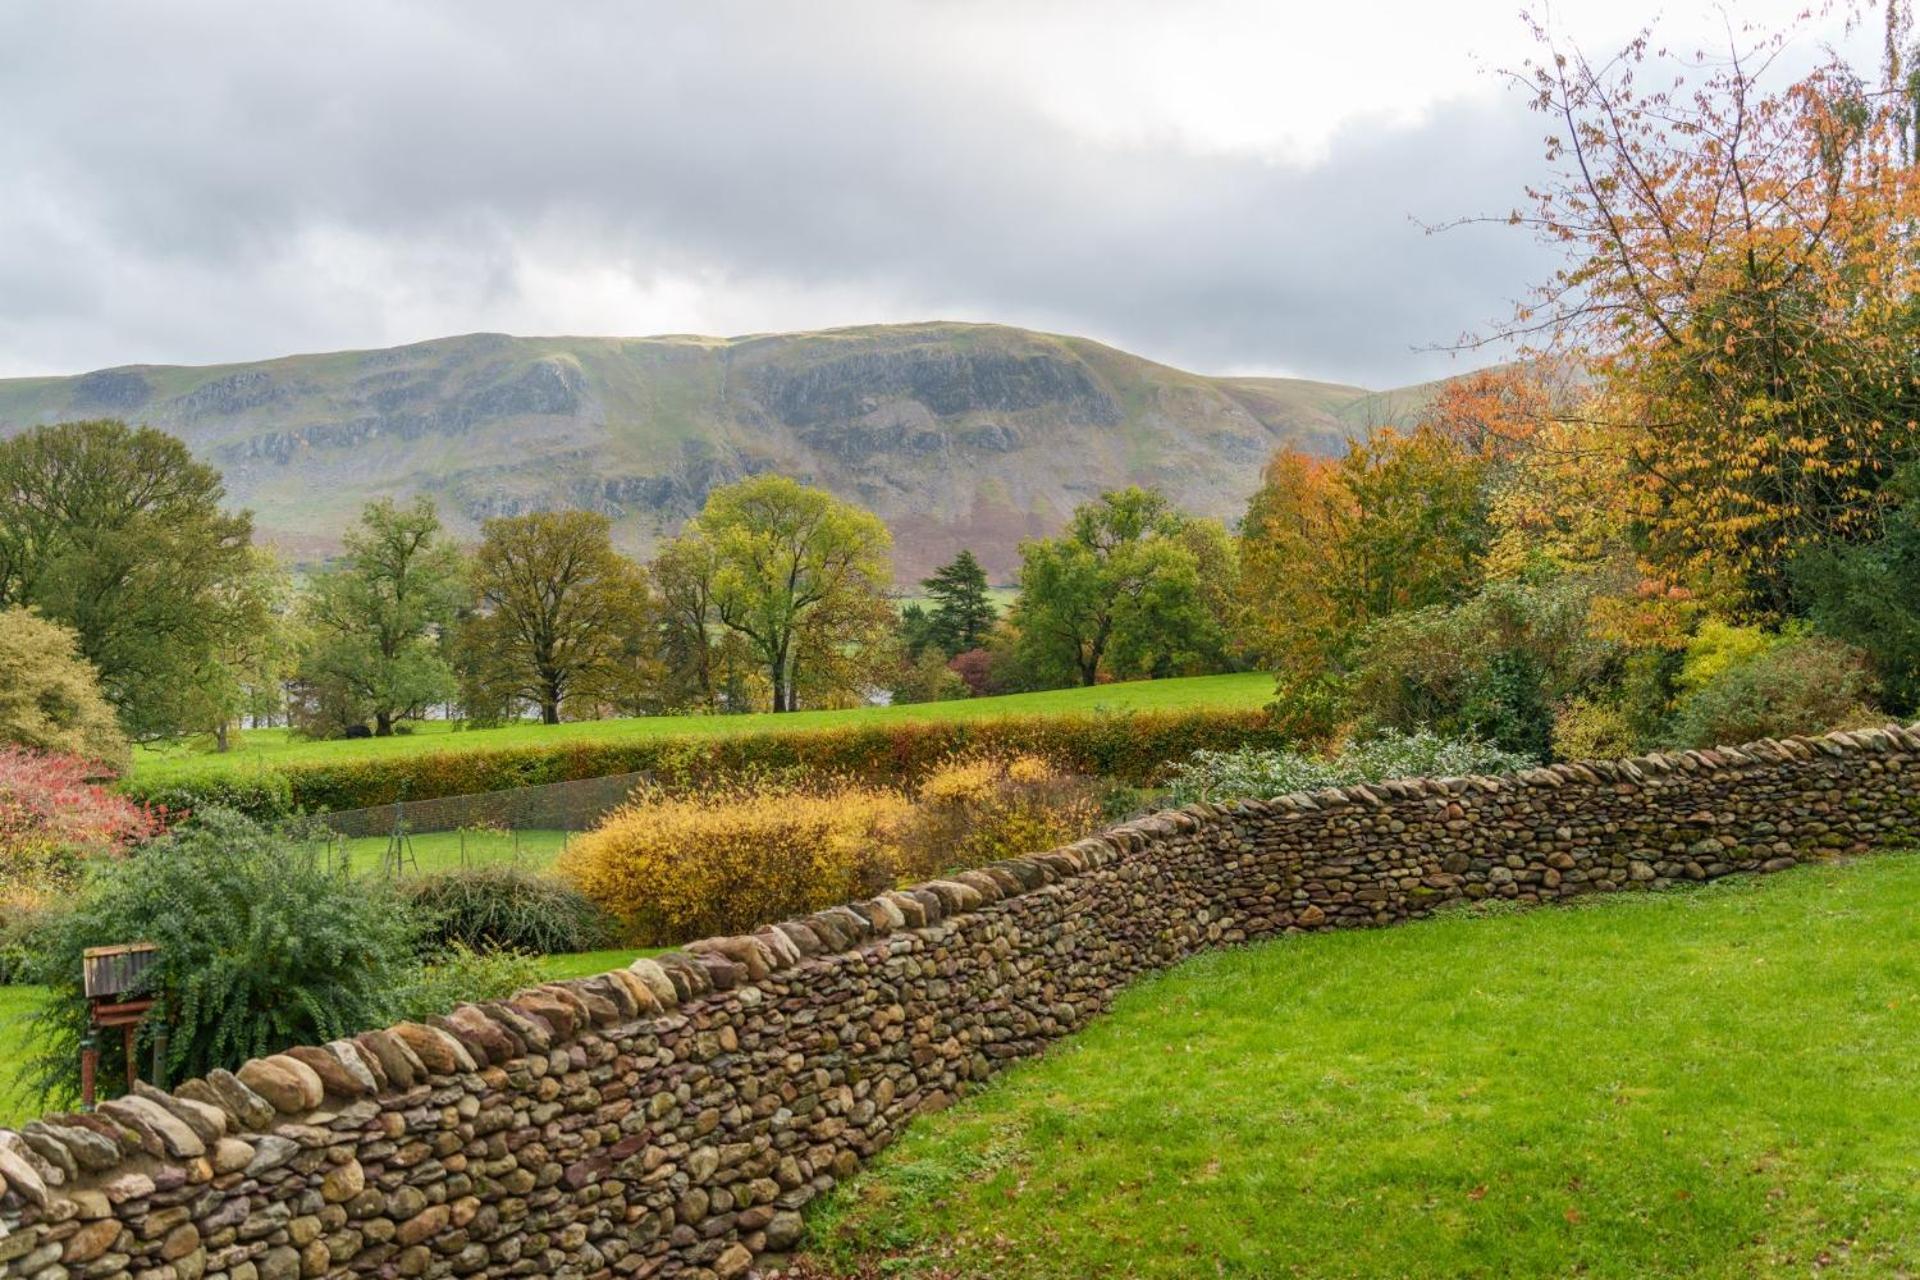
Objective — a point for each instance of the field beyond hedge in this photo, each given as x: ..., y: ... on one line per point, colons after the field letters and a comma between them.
x: 1707, y: 1083
x: 1244, y: 691
x: 1123, y: 731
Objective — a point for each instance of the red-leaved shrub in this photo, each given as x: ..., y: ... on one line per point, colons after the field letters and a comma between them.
x: 53, y: 816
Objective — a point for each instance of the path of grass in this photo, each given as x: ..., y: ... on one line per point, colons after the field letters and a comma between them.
x: 1247, y: 690
x: 1714, y: 1083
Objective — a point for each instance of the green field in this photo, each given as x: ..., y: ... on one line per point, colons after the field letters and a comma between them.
x: 1707, y: 1083
x: 1247, y: 690
x: 437, y: 851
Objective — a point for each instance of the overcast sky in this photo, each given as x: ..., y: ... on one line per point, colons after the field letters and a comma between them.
x: 1224, y: 186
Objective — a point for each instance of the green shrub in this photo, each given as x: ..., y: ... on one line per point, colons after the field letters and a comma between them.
x: 1491, y: 667
x: 488, y: 909
x: 1218, y: 777
x: 260, y: 794
x: 1131, y: 747
x: 1798, y: 685
x: 460, y: 974
x: 262, y: 945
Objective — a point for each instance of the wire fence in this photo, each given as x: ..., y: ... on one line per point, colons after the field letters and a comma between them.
x: 521, y: 826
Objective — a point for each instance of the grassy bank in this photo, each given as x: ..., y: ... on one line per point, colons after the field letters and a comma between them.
x: 273, y: 747
x: 1713, y: 1083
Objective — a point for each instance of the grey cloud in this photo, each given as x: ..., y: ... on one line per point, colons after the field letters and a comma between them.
x: 181, y: 166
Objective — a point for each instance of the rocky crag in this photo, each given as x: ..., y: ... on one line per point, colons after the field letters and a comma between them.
x: 958, y: 435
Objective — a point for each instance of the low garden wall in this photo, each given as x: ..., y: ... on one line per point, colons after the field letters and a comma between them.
x: 673, y: 1119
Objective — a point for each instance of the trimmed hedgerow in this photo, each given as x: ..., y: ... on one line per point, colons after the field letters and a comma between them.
x: 1131, y: 747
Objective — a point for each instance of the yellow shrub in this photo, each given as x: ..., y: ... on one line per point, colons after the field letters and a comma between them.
x: 1585, y: 730
x: 676, y: 868
x: 979, y: 809
x: 960, y: 781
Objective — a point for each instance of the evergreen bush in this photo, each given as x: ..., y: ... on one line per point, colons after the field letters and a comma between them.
x: 262, y: 945
x: 488, y: 909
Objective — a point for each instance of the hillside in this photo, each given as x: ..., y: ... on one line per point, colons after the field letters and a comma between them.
x: 956, y: 434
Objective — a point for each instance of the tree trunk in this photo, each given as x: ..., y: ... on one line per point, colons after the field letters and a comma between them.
x: 549, y: 710
x: 383, y: 724
x: 222, y: 741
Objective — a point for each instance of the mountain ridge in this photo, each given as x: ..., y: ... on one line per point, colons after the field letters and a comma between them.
x: 957, y: 434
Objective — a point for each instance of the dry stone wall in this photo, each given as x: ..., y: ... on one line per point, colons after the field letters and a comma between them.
x: 673, y: 1119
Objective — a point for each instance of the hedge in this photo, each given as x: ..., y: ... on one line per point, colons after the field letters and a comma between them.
x: 1133, y: 747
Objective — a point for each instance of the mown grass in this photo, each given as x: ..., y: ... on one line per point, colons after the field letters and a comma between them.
x: 1708, y: 1083
x: 1246, y: 690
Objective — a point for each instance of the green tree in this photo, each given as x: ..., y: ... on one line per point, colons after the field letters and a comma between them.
x: 374, y: 620
x: 915, y: 631
x: 119, y: 534
x: 682, y: 576
x: 963, y: 614
x: 50, y: 696
x: 562, y: 619
x: 245, y: 673
x: 1869, y: 594
x: 799, y: 575
x: 1119, y: 590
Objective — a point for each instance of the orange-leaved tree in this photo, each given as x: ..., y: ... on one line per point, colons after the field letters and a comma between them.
x: 1740, y: 280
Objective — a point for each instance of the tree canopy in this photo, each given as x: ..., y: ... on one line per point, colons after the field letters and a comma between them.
x: 560, y: 617
x: 1118, y: 593
x: 120, y: 535
x: 963, y: 614
x: 374, y: 620
x: 801, y: 576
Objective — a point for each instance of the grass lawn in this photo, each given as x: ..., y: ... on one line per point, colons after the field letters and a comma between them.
x: 14, y: 1004
x: 1249, y: 690
x: 1707, y: 1083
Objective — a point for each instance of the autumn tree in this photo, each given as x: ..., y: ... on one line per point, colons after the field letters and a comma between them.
x: 50, y: 696
x: 963, y: 613
x: 1119, y: 591
x: 561, y: 619
x: 1398, y: 523
x: 120, y: 535
x: 1740, y: 282
x: 682, y: 577
x: 799, y: 575
x: 374, y: 620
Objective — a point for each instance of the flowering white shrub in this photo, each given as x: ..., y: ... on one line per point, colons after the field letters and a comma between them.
x: 1250, y: 773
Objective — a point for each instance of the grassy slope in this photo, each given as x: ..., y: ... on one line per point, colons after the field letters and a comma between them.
x: 267, y: 747
x: 1714, y: 1083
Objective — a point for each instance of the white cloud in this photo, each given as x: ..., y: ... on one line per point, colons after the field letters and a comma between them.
x: 1218, y: 183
